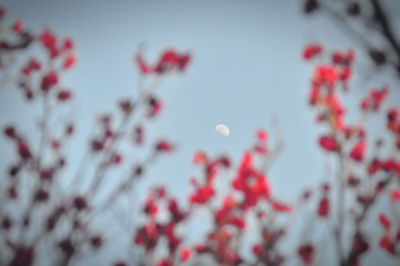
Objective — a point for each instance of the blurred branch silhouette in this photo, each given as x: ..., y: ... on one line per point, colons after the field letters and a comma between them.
x: 359, y: 19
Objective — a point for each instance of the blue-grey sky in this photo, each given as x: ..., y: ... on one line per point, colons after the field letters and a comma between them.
x: 246, y: 69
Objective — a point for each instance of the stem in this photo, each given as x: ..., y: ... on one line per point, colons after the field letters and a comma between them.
x: 340, y: 211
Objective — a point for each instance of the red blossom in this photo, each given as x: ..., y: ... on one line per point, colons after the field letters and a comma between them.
x: 374, y: 99
x: 329, y: 143
x: 383, y: 219
x: 395, y: 194
x: 48, y: 39
x: 68, y: 44
x: 306, y: 252
x: 282, y: 207
x: 17, y: 26
x: 185, y: 253
x: 312, y: 50
x: 387, y: 244
x: 251, y: 182
x: 64, y: 95
x: 325, y: 75
x: 69, y: 61
x: 138, y: 135
x: 202, y: 194
x: 261, y: 134
x: 393, y: 114
x: 49, y: 80
x: 10, y: 131
x: 199, y: 157
x: 23, y: 149
x: 257, y: 249
x: 155, y: 107
x: 163, y: 145
x: 150, y: 206
x: 323, y: 207
x: 80, y: 203
x: 357, y: 152
x: 169, y: 60
x: 116, y: 158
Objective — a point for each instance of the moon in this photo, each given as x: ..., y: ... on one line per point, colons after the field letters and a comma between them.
x: 223, y: 129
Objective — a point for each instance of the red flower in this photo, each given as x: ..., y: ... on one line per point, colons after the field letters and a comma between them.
x: 185, y: 253
x: 49, y: 80
x: 155, y: 107
x: 329, y: 143
x: 199, y: 157
x: 202, y: 194
x: 10, y: 131
x: 80, y: 203
x: 69, y: 130
x: 323, y: 208
x: 163, y: 145
x: 34, y: 64
x: 393, y: 114
x: 257, y: 249
x: 387, y: 244
x: 17, y: 26
x: 116, y: 158
x: 374, y: 99
x: 150, y: 206
x: 68, y: 44
x: 138, y: 135
x: 126, y: 106
x: 169, y: 60
x: 48, y: 39
x: 306, y: 252
x: 251, y: 182
x: 384, y: 220
x: 325, y: 74
x: 357, y: 153
x: 64, y: 95
x: 395, y: 194
x: 282, y: 207
x: 23, y: 149
x: 69, y: 61
x: 261, y: 135
x: 312, y: 50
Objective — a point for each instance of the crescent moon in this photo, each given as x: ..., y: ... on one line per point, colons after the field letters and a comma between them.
x: 223, y: 129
